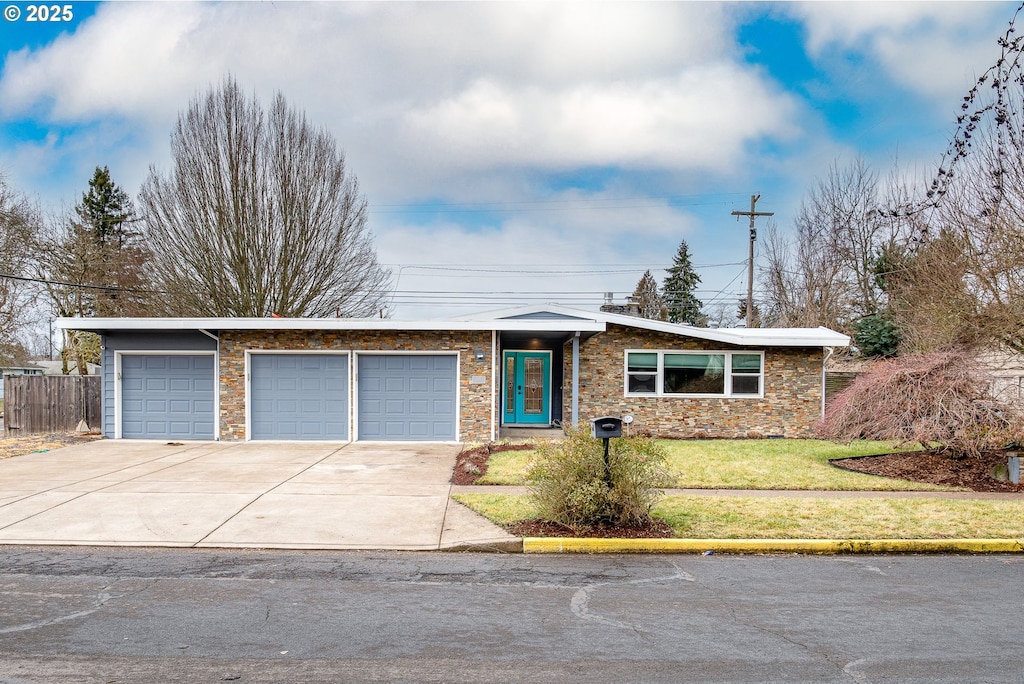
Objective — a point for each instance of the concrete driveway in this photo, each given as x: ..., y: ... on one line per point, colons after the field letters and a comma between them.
x: 291, y: 495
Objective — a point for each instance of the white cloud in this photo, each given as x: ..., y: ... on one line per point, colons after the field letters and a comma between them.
x: 935, y: 48
x: 699, y: 119
x: 421, y: 94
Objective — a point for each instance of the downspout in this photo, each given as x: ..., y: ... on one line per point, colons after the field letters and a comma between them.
x: 824, y: 361
x: 576, y: 378
x: 494, y: 385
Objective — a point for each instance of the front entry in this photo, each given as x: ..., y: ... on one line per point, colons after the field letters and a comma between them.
x: 527, y: 388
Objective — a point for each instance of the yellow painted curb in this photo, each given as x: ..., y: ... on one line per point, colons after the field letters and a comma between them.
x: 573, y: 545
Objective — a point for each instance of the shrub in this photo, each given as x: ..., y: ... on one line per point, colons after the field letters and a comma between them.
x: 938, y: 398
x: 570, y: 485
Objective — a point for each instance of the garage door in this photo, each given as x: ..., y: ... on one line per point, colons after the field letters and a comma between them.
x: 410, y: 397
x: 298, y: 396
x: 167, y: 396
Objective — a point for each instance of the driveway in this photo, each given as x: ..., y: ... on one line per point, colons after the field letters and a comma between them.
x: 294, y: 495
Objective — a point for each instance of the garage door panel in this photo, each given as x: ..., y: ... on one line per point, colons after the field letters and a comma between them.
x: 167, y: 395
x: 407, y: 397
x: 299, y: 396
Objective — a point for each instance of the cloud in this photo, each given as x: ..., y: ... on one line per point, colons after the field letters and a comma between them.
x: 422, y: 94
x: 936, y: 49
x: 699, y: 119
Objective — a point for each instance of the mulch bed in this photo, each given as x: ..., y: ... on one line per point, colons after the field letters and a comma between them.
x: 654, y: 529
x: 934, y: 468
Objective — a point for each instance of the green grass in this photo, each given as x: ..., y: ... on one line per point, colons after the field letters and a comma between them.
x: 507, y: 468
x: 776, y: 464
x: 743, y: 464
x: 728, y: 517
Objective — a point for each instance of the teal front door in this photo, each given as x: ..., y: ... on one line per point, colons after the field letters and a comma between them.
x: 527, y: 388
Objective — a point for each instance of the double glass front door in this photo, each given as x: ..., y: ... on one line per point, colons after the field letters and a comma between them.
x: 527, y: 388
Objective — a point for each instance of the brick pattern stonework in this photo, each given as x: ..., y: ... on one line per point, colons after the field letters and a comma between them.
x: 475, y: 398
x: 790, y: 407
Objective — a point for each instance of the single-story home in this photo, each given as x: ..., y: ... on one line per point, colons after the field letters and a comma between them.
x: 459, y: 379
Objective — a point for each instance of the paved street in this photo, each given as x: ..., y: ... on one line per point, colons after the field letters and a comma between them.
x: 112, y: 615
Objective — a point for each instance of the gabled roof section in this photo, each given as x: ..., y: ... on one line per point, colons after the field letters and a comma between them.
x: 767, y: 337
x: 535, y: 318
x: 532, y: 312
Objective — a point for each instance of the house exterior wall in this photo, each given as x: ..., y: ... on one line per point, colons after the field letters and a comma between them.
x: 790, y: 406
x: 155, y: 341
x: 475, y: 405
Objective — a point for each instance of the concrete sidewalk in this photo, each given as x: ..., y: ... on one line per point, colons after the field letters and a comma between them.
x: 252, y: 495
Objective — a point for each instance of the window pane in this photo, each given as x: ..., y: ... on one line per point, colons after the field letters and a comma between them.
x: 746, y: 384
x: 642, y: 361
x: 642, y: 383
x: 693, y: 381
x: 746, y: 363
x: 694, y: 374
x: 714, y: 362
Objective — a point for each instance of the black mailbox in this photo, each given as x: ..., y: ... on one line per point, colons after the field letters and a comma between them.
x: 606, y: 427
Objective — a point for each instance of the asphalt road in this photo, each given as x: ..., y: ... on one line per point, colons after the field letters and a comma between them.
x: 128, y: 615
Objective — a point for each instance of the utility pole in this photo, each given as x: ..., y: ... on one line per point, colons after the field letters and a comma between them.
x: 750, y: 263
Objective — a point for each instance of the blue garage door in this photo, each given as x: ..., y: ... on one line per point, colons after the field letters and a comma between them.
x: 298, y: 396
x: 167, y: 396
x: 407, y: 397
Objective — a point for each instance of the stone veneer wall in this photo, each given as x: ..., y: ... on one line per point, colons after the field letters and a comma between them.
x: 475, y: 399
x: 790, y: 407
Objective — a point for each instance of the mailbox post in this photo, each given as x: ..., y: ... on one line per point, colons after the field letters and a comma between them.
x: 606, y: 428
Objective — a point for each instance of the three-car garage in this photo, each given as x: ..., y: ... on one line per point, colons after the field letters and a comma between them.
x: 292, y: 395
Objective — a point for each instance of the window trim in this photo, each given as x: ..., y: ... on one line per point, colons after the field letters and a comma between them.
x: 660, y: 373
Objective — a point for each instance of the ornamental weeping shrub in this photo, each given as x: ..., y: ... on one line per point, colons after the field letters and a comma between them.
x: 939, y: 400
x: 569, y: 483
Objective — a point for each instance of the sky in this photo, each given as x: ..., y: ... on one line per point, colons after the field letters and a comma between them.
x: 514, y: 153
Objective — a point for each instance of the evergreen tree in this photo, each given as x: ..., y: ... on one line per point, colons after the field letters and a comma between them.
x: 647, y: 297
x: 106, y: 211
x: 678, y: 289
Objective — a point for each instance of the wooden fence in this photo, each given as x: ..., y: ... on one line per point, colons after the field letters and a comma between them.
x: 50, y: 403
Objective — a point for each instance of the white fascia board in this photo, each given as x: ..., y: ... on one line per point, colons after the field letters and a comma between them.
x: 764, y: 337
x: 108, y: 324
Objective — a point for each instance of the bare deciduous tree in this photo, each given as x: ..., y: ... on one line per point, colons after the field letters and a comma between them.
x: 964, y: 276
x: 828, y: 274
x: 19, y: 224
x: 259, y: 217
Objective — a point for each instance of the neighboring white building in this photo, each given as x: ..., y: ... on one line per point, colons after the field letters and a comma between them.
x: 1007, y: 371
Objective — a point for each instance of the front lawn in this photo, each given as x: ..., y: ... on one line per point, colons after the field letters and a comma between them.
x: 776, y: 464
x: 742, y: 464
x: 734, y: 517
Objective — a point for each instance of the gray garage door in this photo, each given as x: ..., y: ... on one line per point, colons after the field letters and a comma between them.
x: 298, y: 396
x: 167, y: 396
x: 410, y: 397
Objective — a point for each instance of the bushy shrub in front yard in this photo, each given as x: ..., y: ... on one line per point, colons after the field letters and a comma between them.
x: 570, y: 485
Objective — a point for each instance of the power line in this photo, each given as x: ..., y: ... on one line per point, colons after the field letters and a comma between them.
x: 563, y: 204
x: 60, y: 283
